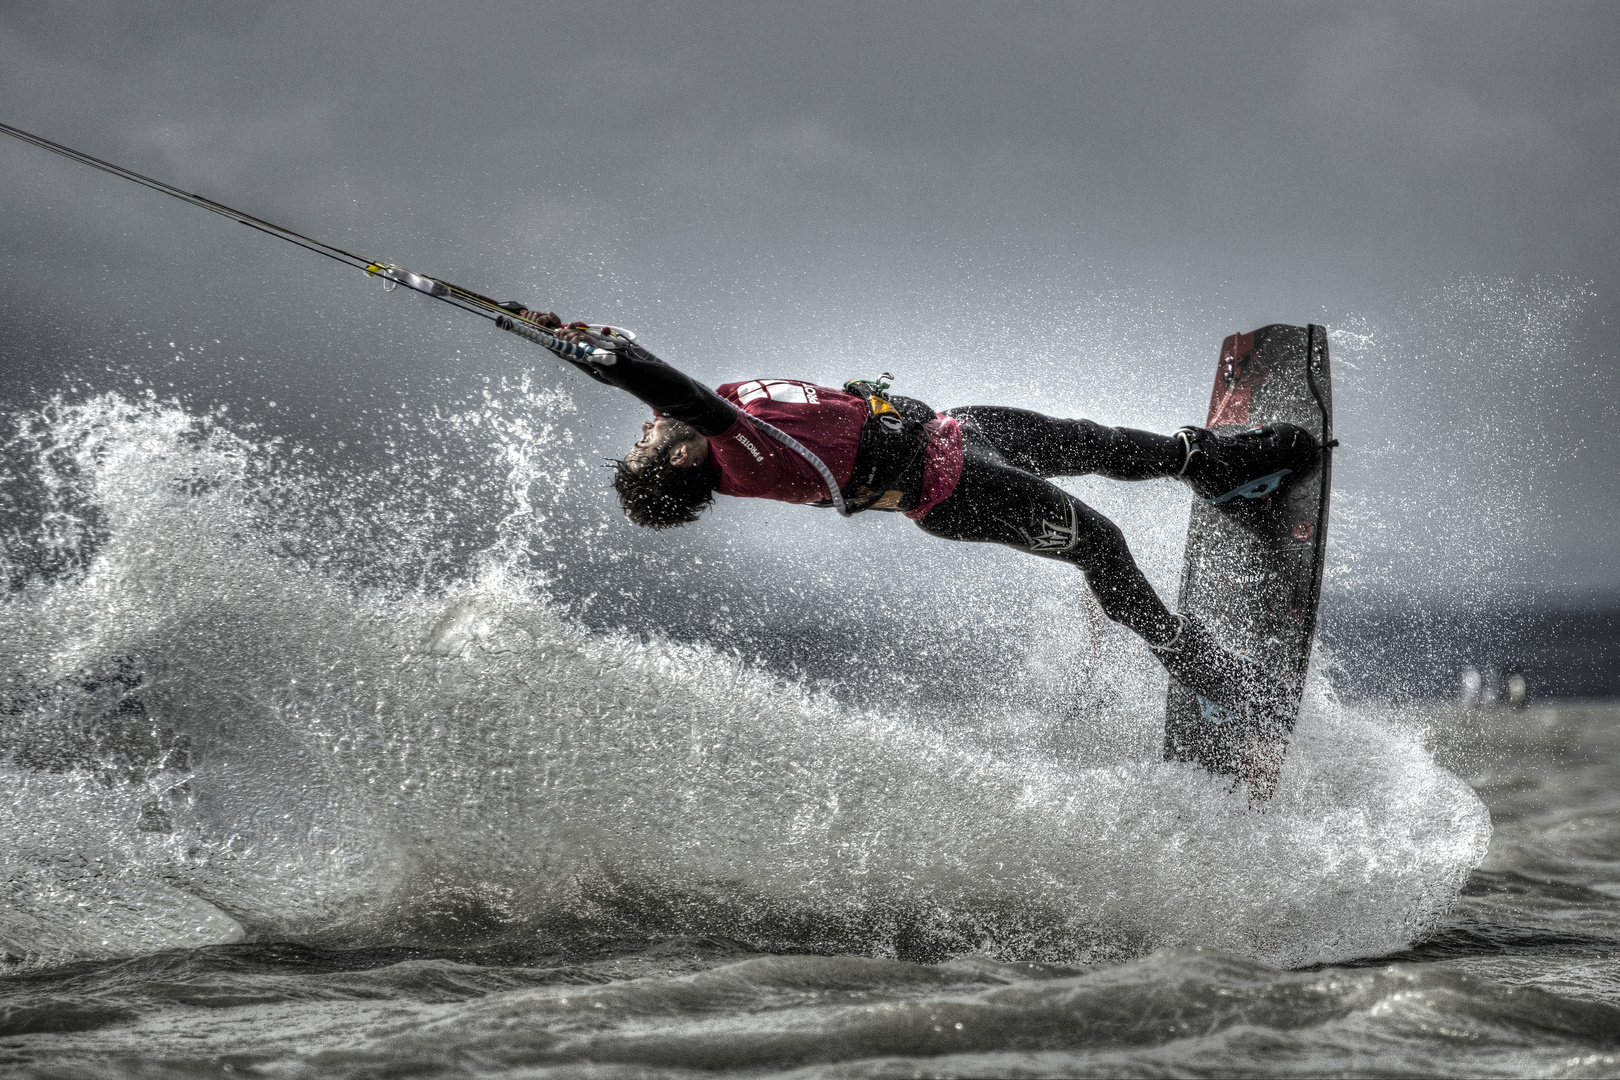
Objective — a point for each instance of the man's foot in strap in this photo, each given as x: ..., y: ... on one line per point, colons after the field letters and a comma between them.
x: 1251, y: 464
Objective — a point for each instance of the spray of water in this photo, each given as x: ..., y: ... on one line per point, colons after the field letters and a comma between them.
x: 217, y: 726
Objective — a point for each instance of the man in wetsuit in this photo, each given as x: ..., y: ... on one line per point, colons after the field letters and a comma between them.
x: 975, y: 473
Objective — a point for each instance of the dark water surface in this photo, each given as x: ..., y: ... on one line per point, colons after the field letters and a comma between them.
x: 1522, y: 978
x: 297, y: 779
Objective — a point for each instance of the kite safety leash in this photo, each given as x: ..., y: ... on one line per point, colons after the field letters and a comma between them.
x: 810, y: 457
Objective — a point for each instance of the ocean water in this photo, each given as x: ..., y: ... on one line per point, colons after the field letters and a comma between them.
x: 304, y: 778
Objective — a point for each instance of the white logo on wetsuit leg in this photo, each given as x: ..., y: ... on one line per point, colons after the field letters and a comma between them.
x: 752, y: 449
x: 1054, y: 537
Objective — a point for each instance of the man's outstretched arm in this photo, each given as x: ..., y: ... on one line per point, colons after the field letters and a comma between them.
x: 670, y: 392
x: 638, y: 372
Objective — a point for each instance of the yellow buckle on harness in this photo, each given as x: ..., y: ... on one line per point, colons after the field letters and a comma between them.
x: 875, y: 391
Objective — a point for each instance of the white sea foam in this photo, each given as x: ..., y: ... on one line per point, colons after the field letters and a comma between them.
x: 458, y: 759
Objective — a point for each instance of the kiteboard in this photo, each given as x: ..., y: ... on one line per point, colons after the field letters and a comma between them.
x: 1253, y: 567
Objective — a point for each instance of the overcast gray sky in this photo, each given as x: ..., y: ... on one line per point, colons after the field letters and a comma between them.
x: 1098, y: 193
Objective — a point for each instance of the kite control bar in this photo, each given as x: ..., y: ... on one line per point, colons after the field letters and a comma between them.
x: 600, y: 354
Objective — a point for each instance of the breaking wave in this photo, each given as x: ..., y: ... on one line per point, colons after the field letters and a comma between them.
x: 244, y: 701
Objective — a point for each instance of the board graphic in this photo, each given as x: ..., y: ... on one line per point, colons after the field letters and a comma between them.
x: 1253, y: 569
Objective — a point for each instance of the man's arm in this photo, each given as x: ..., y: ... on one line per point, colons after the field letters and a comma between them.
x: 640, y: 373
x: 668, y: 391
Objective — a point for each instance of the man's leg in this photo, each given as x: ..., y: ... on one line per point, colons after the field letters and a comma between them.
x: 1048, y: 446
x: 996, y: 502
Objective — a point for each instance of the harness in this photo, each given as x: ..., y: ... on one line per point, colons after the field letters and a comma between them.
x: 892, y: 452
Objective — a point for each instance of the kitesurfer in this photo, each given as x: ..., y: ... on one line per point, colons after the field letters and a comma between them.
x: 977, y: 473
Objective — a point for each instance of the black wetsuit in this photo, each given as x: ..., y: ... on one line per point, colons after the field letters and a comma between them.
x: 1004, y: 497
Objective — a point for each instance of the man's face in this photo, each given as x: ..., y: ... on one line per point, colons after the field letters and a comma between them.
x: 689, y: 448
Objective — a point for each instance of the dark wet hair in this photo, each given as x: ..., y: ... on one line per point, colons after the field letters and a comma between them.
x: 661, y: 496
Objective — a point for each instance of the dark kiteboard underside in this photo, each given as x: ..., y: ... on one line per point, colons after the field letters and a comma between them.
x: 1253, y: 569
